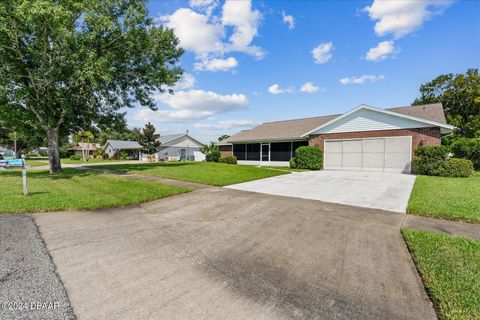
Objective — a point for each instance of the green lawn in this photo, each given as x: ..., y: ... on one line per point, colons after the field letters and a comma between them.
x: 75, y: 190
x: 450, y: 269
x: 36, y: 162
x: 286, y: 168
x: 217, y: 174
x: 448, y: 198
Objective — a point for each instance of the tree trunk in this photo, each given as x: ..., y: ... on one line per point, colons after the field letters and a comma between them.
x: 53, y: 153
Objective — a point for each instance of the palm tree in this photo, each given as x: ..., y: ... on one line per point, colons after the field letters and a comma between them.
x: 85, y: 135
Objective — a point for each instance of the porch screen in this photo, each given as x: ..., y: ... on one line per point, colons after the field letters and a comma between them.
x: 280, y: 151
x: 297, y: 144
x: 239, y: 151
x: 253, y: 151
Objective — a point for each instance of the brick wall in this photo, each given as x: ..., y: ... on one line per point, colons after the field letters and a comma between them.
x: 225, y: 151
x: 426, y: 136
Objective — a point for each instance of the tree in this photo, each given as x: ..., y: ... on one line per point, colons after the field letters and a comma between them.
x: 119, y: 134
x: 211, y: 152
x: 81, y: 137
x: 223, y: 137
x: 460, y: 96
x: 66, y: 65
x: 149, y: 139
x: 21, y: 139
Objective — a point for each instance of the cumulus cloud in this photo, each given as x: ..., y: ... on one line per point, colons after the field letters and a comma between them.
x: 362, y: 79
x: 226, y: 124
x: 275, y: 89
x: 192, y: 105
x: 187, y: 81
x: 322, y: 53
x: 382, y: 51
x: 288, y: 20
x: 216, y: 64
x: 403, y: 17
x: 206, y: 35
x: 309, y: 87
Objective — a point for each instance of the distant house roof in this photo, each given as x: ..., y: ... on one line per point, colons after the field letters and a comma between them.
x: 166, y: 139
x: 123, y: 144
x: 295, y: 129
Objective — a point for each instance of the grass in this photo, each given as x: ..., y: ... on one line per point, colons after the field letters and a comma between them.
x: 76, y: 190
x: 36, y: 162
x: 216, y: 174
x: 448, y: 198
x: 450, y: 269
x: 287, y: 168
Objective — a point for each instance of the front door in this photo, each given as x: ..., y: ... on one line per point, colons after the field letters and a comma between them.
x: 265, y: 152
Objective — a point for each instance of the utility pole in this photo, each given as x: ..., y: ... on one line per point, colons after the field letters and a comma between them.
x: 15, y: 143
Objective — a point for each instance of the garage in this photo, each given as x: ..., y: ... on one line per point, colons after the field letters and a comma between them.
x: 389, y: 154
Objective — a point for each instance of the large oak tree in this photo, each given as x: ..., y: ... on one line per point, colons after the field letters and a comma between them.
x: 68, y: 64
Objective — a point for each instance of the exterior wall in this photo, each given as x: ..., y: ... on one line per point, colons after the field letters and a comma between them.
x: 167, y: 153
x: 420, y: 136
x: 265, y: 163
x: 225, y: 151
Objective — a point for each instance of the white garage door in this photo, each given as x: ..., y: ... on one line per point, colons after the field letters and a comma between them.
x: 391, y: 154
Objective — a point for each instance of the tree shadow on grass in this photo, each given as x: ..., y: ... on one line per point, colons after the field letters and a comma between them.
x: 37, y: 175
x: 145, y: 166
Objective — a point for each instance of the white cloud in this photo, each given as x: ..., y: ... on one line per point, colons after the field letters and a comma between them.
x: 187, y: 81
x: 309, y: 87
x: 195, y: 32
x: 362, y: 79
x: 275, y: 89
x: 192, y: 105
x: 323, y: 52
x: 403, y: 17
x: 288, y: 20
x: 205, y: 34
x: 244, y: 20
x: 216, y: 64
x: 226, y: 125
x: 382, y: 51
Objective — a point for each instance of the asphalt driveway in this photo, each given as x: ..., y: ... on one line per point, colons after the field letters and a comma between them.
x: 218, y: 253
x: 379, y: 190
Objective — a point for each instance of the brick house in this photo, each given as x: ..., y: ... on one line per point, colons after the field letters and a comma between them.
x: 363, y: 139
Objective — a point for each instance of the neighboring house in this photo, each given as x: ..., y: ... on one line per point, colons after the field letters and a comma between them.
x: 363, y: 139
x: 180, y: 147
x: 4, y: 152
x: 132, y: 148
x: 81, y: 147
x: 39, y: 150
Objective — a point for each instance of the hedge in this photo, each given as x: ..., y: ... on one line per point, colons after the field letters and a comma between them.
x: 228, y: 159
x: 435, y: 161
x: 308, y: 157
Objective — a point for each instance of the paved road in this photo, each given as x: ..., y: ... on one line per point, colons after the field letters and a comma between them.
x: 29, y: 285
x: 218, y: 253
x: 378, y: 190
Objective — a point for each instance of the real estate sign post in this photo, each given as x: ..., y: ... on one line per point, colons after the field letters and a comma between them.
x: 7, y: 163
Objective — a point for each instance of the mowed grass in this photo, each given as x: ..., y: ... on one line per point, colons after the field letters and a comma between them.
x: 448, y: 198
x: 216, y: 174
x: 450, y: 269
x: 76, y: 190
x: 36, y: 162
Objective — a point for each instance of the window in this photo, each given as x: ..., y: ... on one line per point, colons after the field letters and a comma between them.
x: 253, y: 151
x: 239, y: 151
x: 297, y: 144
x: 280, y: 151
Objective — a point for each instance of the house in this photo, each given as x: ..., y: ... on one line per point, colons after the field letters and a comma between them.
x: 114, y: 147
x: 80, y: 148
x: 180, y: 147
x: 363, y: 139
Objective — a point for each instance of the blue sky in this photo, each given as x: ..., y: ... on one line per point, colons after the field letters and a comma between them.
x: 247, y: 63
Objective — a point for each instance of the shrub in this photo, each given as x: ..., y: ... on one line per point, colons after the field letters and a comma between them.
x: 308, y: 157
x: 468, y: 149
x: 229, y: 160
x: 213, y: 156
x: 105, y: 156
x: 456, y: 168
x: 429, y: 159
x: 43, y: 153
x: 76, y: 157
x: 293, y: 165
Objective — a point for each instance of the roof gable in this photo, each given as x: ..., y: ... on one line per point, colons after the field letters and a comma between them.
x: 123, y: 144
x: 367, y: 118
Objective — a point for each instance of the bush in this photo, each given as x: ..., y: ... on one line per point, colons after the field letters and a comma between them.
x: 308, y: 157
x: 293, y: 164
x: 229, y: 160
x: 105, y: 156
x: 213, y: 156
x: 429, y: 159
x: 43, y: 153
x: 468, y: 149
x: 76, y: 157
x: 456, y: 168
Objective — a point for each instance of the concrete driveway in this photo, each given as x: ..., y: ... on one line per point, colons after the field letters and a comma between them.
x: 218, y: 253
x: 386, y: 191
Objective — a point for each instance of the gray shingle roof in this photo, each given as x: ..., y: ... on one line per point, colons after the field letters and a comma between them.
x: 169, y: 137
x: 123, y: 144
x: 294, y: 129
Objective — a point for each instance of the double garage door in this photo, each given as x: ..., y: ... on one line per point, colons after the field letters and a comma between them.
x: 392, y: 154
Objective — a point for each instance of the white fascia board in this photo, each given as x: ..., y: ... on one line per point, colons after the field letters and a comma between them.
x: 446, y: 127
